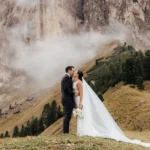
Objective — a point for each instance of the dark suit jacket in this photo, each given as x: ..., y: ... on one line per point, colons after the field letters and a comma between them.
x: 67, y: 90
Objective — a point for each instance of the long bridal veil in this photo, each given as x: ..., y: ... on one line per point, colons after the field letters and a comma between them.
x: 97, y: 120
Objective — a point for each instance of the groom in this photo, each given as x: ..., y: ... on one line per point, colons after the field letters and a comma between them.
x: 67, y: 97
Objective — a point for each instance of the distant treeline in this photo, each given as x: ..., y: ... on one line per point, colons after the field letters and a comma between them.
x: 50, y: 114
x: 126, y: 64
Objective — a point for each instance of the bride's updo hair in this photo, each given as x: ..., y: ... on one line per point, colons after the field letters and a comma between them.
x: 80, y: 73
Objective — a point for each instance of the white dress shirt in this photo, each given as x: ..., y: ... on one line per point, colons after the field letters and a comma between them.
x: 68, y: 74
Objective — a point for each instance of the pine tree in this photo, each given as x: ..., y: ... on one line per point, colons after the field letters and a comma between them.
x: 16, y: 132
x: 59, y: 112
x: 53, y: 112
x: 34, y: 126
x: 138, y: 67
x: 129, y: 69
x: 2, y: 135
x: 28, y: 128
x: 22, y: 132
x: 40, y: 125
x: 7, y: 134
x: 146, y: 65
x: 45, y: 114
x: 112, y: 70
x: 36, y: 122
x: 96, y: 62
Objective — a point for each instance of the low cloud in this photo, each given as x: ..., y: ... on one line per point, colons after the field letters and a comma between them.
x: 26, y: 2
x: 45, y: 60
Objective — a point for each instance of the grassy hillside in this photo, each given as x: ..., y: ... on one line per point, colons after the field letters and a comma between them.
x: 128, y: 106
x: 35, y: 107
x: 65, y: 142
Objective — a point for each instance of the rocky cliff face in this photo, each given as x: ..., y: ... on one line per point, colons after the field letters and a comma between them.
x: 59, y: 16
x: 24, y: 22
x: 136, y: 13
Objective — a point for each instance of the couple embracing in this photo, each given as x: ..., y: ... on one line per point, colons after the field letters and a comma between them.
x: 97, y: 121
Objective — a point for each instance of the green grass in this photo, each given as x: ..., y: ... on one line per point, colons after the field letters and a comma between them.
x: 64, y: 142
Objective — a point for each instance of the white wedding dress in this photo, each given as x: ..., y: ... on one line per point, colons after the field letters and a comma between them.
x: 97, y: 121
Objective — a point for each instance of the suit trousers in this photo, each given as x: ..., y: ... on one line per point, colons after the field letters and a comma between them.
x: 68, y: 108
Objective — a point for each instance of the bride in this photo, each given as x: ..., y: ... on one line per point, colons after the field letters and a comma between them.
x: 97, y: 121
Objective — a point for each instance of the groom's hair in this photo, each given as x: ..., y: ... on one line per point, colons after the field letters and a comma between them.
x: 69, y: 68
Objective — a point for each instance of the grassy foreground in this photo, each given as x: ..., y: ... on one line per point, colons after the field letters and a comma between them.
x: 64, y: 142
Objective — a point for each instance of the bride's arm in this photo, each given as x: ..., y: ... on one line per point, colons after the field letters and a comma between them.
x: 80, y: 88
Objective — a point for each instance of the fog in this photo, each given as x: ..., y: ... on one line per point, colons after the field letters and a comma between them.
x: 45, y: 60
x: 26, y: 2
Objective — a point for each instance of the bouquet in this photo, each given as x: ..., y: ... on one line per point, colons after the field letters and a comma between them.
x: 78, y: 113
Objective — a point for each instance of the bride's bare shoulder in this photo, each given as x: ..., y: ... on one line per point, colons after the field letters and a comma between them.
x: 79, y: 82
